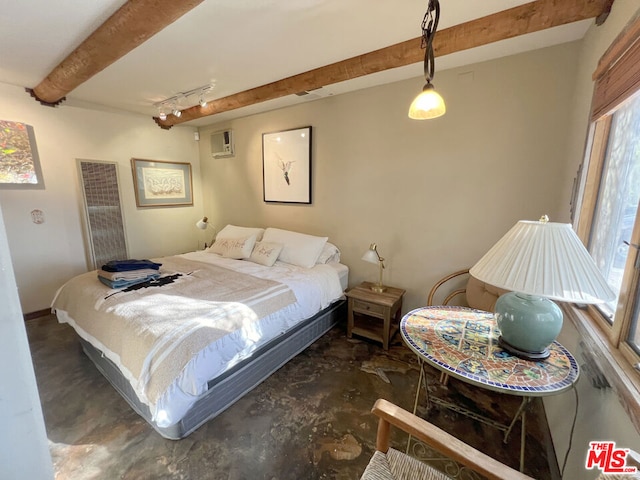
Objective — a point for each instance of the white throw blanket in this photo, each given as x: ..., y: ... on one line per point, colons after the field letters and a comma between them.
x: 153, y: 333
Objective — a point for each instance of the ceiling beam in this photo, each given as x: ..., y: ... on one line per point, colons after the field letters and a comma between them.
x: 527, y: 18
x: 131, y: 25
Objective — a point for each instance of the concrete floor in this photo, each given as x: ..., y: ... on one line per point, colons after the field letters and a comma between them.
x: 310, y: 420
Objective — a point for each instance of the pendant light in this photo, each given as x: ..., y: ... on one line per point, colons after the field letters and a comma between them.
x: 429, y: 103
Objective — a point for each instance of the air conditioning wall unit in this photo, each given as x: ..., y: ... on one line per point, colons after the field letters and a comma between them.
x: 222, y: 144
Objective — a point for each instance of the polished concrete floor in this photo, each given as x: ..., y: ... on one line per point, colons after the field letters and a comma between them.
x: 310, y: 420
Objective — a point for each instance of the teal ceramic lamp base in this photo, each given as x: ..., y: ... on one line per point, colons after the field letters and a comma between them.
x: 528, y: 323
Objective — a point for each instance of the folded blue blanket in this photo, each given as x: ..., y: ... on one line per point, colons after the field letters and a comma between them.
x: 126, y: 283
x: 128, y: 265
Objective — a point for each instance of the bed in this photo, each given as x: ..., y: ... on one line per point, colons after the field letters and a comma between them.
x: 182, y: 351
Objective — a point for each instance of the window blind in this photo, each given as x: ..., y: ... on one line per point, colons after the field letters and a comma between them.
x: 617, y: 76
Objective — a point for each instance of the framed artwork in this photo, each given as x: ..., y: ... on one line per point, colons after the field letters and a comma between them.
x: 286, y: 166
x: 162, y: 184
x: 19, y: 161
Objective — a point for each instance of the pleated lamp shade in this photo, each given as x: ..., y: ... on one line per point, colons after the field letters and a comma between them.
x: 544, y: 259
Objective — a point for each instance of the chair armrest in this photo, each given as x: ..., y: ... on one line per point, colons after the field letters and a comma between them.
x: 442, y: 281
x: 440, y: 440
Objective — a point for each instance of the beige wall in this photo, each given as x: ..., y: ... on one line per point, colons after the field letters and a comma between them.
x: 600, y: 416
x: 434, y: 195
x: 45, y: 256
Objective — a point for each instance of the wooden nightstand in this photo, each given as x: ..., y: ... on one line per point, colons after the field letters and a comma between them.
x: 364, y: 304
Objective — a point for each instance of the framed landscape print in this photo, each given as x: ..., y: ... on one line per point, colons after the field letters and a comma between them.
x: 286, y: 166
x: 19, y: 162
x: 161, y: 184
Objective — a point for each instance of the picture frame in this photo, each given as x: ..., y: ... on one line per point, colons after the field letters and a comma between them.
x: 286, y: 166
x: 19, y: 159
x: 160, y: 183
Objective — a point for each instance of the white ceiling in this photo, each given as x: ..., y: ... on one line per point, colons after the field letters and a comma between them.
x: 238, y: 45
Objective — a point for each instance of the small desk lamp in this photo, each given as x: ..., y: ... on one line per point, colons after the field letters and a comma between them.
x: 372, y: 256
x: 203, y: 224
x: 539, y: 261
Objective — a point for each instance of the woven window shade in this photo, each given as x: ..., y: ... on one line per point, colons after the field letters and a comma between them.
x: 617, y: 76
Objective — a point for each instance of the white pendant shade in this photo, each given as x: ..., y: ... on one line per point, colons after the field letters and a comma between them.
x: 545, y: 259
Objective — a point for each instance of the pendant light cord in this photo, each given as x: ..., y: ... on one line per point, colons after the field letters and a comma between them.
x: 429, y: 27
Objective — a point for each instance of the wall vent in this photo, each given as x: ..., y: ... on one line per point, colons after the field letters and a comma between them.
x: 103, y: 211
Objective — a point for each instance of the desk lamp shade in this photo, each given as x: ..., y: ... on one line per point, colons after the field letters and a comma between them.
x: 203, y: 223
x: 539, y: 262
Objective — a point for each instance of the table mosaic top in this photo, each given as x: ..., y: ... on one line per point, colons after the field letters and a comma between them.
x: 463, y: 342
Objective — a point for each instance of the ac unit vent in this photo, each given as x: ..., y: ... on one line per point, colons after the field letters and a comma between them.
x: 222, y: 144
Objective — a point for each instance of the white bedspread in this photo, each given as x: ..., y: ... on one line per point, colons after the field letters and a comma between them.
x: 314, y: 289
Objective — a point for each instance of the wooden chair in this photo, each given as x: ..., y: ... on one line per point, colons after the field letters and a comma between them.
x: 442, y: 283
x: 390, y: 464
x: 476, y: 294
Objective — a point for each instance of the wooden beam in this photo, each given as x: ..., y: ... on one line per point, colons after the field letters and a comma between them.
x: 131, y: 25
x: 527, y: 18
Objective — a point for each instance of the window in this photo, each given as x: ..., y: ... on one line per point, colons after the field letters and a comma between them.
x: 609, y: 222
x: 617, y: 198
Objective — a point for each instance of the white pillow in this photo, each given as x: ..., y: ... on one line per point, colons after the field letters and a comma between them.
x: 299, y: 248
x: 237, y: 248
x: 233, y: 231
x: 329, y: 254
x: 266, y: 253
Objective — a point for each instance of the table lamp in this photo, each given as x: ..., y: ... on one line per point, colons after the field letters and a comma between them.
x: 203, y: 224
x: 539, y: 262
x: 372, y: 256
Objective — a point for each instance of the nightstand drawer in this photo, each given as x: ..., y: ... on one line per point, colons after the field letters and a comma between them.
x: 369, y: 308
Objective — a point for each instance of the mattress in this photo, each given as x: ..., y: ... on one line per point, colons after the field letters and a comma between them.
x: 229, y: 387
x: 234, y: 348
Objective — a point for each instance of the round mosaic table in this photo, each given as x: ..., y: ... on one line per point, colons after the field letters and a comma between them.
x: 463, y: 342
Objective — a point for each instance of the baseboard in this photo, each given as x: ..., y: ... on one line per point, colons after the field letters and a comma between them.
x: 37, y: 314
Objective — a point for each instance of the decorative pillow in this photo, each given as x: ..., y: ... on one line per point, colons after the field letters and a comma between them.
x: 237, y: 248
x: 299, y: 248
x: 233, y: 231
x: 266, y: 253
x: 329, y: 254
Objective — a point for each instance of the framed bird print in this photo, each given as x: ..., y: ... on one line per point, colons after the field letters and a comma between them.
x: 161, y: 184
x: 286, y: 166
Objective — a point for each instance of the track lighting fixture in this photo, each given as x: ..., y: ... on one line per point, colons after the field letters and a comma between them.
x: 180, y: 101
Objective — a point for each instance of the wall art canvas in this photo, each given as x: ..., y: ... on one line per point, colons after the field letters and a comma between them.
x: 162, y: 184
x: 19, y: 161
x: 286, y: 166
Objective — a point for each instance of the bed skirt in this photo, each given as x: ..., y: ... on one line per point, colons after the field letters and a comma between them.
x: 233, y: 384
